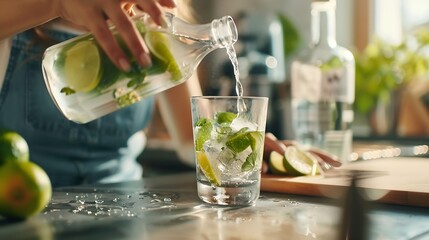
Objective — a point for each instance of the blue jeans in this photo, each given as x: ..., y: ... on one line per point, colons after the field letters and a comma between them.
x: 104, y: 150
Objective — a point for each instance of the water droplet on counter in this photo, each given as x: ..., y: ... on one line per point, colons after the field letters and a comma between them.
x: 130, y: 214
x: 275, y: 222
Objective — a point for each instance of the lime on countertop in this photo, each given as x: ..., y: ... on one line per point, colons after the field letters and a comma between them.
x: 82, y: 66
x: 25, y: 189
x: 13, y: 147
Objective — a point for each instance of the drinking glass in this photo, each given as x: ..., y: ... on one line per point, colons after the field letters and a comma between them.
x: 229, y: 140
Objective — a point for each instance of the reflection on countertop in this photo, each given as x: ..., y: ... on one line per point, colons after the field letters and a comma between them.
x: 367, y: 150
x: 167, y: 207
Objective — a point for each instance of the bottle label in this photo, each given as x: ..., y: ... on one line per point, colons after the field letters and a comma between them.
x: 315, y: 84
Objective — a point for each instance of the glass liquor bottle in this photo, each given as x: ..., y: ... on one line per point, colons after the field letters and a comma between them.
x: 86, y: 85
x: 323, y: 85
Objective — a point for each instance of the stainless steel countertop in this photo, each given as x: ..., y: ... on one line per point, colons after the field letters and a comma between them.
x: 167, y: 207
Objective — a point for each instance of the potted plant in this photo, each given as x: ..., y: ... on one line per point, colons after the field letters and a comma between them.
x: 383, y: 71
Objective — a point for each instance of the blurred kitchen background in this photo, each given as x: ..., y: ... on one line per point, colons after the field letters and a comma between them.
x: 389, y: 39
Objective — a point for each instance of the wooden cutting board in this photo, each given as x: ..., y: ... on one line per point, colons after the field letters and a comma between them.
x: 403, y: 181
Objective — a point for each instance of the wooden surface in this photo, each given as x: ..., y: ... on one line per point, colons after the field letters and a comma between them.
x: 403, y: 181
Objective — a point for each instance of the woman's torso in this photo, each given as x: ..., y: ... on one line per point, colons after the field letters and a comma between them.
x: 71, y: 153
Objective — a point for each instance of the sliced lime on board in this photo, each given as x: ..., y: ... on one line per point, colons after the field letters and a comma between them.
x: 276, y: 163
x: 299, y: 162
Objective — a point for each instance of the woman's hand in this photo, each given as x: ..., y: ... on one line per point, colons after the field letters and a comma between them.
x: 93, y: 15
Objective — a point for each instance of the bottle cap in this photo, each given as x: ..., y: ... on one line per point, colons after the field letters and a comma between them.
x: 326, y: 3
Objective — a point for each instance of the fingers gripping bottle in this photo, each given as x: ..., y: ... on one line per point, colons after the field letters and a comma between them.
x: 86, y: 85
x: 323, y: 85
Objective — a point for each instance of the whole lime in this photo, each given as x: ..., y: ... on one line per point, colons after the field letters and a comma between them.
x: 13, y: 147
x: 25, y: 189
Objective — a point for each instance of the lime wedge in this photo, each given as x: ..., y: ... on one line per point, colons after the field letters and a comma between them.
x: 211, y: 172
x: 239, y: 141
x: 225, y: 117
x: 159, y: 46
x: 299, y: 162
x: 82, y: 66
x: 204, y: 128
x: 256, y: 144
x: 256, y: 140
x: 276, y: 163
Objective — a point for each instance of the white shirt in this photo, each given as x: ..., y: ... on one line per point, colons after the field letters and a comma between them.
x: 5, y: 46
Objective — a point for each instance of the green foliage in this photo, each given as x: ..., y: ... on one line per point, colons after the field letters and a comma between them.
x: 382, y: 67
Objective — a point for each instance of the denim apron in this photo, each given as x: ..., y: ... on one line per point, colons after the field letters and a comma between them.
x: 104, y: 150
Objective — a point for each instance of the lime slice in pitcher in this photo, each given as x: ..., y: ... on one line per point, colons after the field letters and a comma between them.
x: 159, y: 46
x: 82, y: 66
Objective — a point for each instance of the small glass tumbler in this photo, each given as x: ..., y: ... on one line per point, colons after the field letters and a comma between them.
x: 229, y: 141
